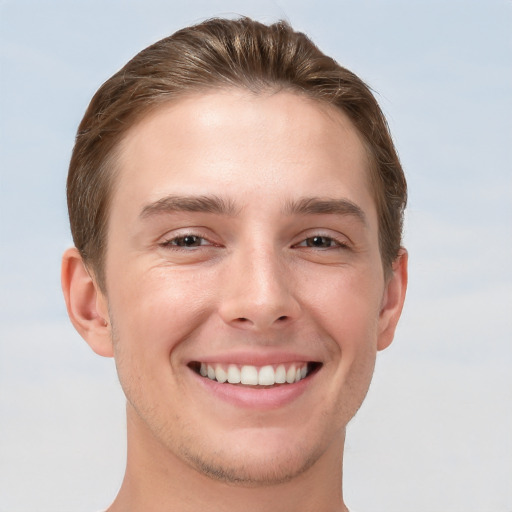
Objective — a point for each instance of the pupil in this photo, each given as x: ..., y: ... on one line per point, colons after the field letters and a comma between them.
x: 319, y: 241
x: 190, y: 240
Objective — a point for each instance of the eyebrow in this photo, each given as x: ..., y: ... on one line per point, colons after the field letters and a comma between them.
x: 205, y: 204
x: 319, y: 206
x: 220, y: 206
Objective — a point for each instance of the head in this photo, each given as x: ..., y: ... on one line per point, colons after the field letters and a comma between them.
x: 236, y: 202
x: 214, y: 55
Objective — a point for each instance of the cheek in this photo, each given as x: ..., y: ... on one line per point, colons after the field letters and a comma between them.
x: 347, y: 307
x: 348, y: 312
x: 160, y: 305
x: 151, y: 319
x: 151, y: 316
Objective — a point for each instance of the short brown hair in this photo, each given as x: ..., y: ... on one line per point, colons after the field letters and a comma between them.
x: 221, y: 53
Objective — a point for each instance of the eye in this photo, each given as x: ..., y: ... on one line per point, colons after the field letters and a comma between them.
x: 186, y: 241
x: 321, y: 242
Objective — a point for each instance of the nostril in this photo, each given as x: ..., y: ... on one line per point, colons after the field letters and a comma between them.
x: 258, y: 322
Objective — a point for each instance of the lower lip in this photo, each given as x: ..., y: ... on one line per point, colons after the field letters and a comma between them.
x: 254, y: 397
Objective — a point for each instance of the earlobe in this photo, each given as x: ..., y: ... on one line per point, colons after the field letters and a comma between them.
x: 393, y: 300
x: 86, y: 304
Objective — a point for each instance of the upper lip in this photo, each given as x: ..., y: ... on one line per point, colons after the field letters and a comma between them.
x: 253, y: 358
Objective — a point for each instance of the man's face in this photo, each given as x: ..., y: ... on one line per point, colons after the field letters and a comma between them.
x: 243, y: 243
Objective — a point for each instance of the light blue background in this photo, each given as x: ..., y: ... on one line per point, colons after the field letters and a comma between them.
x: 435, y: 432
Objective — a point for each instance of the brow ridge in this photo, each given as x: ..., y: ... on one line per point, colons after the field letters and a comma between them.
x: 175, y: 203
x: 221, y: 206
x: 320, y: 206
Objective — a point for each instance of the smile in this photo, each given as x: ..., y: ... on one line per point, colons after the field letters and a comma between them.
x: 249, y: 375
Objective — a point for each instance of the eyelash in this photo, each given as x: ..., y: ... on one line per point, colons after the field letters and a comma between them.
x: 335, y: 244
x: 176, y: 242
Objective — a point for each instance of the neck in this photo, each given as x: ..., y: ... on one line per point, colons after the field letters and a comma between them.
x: 156, y: 480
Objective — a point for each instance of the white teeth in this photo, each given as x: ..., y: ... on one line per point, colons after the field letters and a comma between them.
x: 233, y: 374
x: 280, y: 374
x: 252, y: 376
x: 249, y: 375
x: 290, y: 374
x: 220, y: 374
x: 266, y: 376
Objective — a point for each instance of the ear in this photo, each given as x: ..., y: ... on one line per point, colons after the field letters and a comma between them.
x: 86, y: 304
x: 393, y: 300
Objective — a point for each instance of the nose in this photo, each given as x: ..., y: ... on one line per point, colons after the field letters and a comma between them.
x: 258, y: 292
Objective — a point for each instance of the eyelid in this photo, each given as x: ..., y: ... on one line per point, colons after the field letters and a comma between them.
x: 168, y: 238
x: 169, y: 242
x: 342, y: 241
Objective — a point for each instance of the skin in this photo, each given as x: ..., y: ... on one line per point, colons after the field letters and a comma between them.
x: 261, y: 278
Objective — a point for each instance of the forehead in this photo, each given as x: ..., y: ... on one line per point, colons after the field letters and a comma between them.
x: 236, y: 142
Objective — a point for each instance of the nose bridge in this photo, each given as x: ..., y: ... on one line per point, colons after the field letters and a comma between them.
x: 259, y: 291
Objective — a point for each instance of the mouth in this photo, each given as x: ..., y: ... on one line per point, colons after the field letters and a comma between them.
x: 263, y: 377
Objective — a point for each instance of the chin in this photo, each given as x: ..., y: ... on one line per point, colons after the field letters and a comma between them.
x: 252, y: 472
x: 261, y: 461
